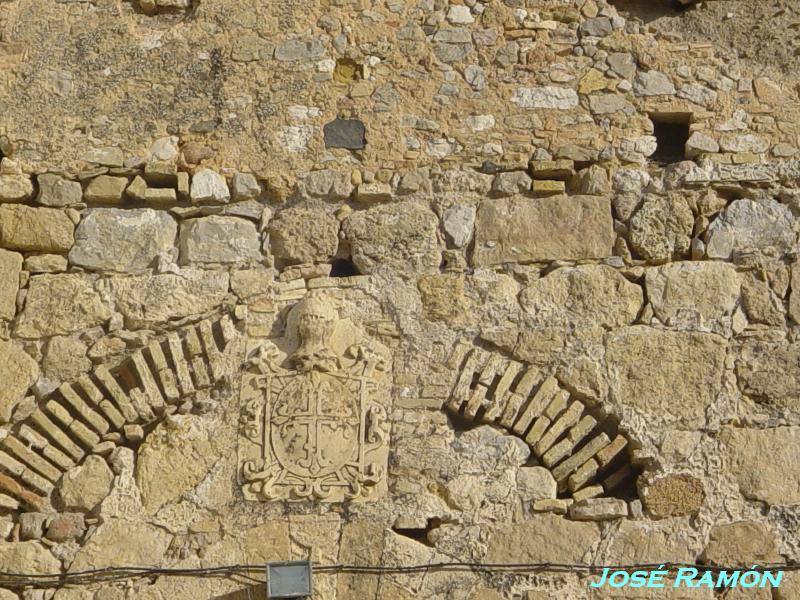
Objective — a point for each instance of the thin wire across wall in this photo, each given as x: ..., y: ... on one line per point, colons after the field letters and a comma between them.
x: 255, y: 573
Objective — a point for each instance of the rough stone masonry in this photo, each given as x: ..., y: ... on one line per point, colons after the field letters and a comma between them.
x: 396, y: 283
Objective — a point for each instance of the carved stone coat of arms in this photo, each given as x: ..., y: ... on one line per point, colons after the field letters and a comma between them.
x: 313, y: 411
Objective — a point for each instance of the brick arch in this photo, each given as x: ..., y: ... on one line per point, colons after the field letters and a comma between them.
x: 585, y: 451
x: 90, y: 414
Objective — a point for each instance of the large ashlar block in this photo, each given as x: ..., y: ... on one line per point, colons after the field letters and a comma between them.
x: 527, y: 230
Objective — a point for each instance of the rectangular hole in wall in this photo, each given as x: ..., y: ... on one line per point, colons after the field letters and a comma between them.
x: 671, y: 131
x: 648, y: 10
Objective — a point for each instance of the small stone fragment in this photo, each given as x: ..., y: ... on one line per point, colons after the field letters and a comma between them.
x: 15, y: 188
x: 65, y: 526
x: 535, y: 483
x: 245, y: 187
x: 83, y: 487
x: 458, y: 223
x: 209, y: 187
x: 598, y: 509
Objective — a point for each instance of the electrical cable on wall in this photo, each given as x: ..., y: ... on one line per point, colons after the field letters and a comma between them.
x: 115, y: 574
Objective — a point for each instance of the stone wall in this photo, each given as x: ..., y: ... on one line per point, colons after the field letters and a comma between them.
x: 391, y: 283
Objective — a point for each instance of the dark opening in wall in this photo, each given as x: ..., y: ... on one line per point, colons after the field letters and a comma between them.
x: 649, y: 10
x: 672, y: 132
x: 419, y: 534
x: 343, y: 267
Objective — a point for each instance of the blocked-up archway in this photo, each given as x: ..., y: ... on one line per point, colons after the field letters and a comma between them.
x: 586, y: 452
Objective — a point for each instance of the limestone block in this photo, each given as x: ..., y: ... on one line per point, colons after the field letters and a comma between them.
x: 303, y: 235
x: 266, y: 542
x: 299, y: 49
x: 746, y: 225
x: 218, y: 239
x: 543, y: 538
x: 699, y: 143
x: 28, y: 557
x: 598, y: 509
x: 60, y: 305
x: 559, y: 98
x: 693, y: 295
x: 458, y: 222
x: 18, y: 372
x: 519, y: 229
x: 673, y: 496
x: 35, y: 229
x: 119, y: 542
x: 122, y: 240
x: 588, y: 294
x: 361, y: 544
x: 209, y: 187
x: 245, y: 187
x: 65, y: 358
x: 653, y: 83
x: 57, y: 191
x: 742, y: 543
x: 65, y: 526
x: 669, y: 377
x: 652, y: 543
x: 150, y: 300
x: 46, y: 263
x: 10, y: 265
x: 770, y: 373
x: 84, y: 486
x: 511, y: 183
x: 15, y: 188
x: 661, y: 229
x: 329, y: 184
x: 764, y: 463
x: 105, y: 189
x: 402, y: 237
x: 535, y: 483
x: 163, y: 480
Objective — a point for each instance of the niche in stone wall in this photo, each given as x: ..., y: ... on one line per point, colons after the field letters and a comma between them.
x: 671, y: 131
x: 649, y: 10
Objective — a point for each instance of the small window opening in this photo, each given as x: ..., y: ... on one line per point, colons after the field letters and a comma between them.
x: 649, y: 10
x: 672, y: 132
x: 343, y: 267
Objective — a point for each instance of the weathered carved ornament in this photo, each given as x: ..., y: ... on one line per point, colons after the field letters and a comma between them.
x: 313, y: 412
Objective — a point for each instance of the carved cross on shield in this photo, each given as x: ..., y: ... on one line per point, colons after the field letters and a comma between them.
x: 312, y: 421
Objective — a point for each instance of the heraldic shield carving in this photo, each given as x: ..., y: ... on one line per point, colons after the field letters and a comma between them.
x: 313, y: 411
